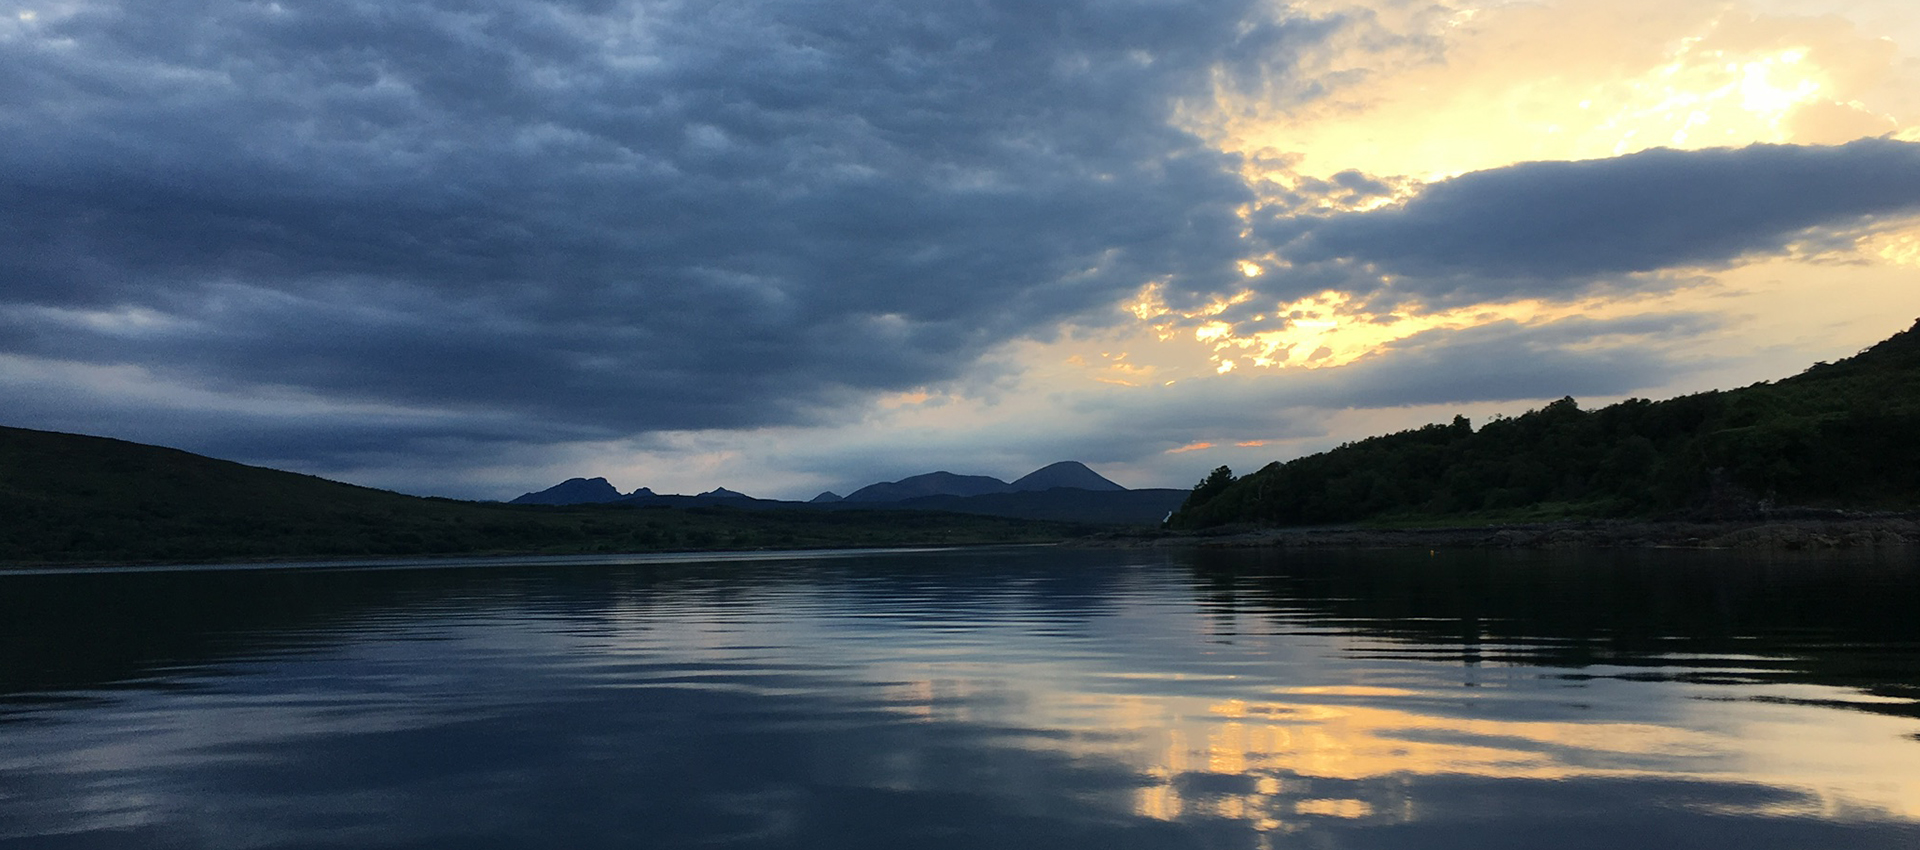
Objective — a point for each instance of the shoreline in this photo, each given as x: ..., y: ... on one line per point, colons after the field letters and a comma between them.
x: 1795, y: 533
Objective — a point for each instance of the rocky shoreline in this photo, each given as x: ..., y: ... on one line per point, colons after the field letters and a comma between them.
x: 1787, y: 533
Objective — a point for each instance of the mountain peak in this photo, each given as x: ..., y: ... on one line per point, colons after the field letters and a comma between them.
x: 573, y: 491
x: 1066, y: 473
x: 942, y: 483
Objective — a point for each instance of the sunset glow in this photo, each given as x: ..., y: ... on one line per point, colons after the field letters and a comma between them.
x: 1704, y: 78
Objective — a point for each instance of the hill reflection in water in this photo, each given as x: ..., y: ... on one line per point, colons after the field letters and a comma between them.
x: 986, y: 698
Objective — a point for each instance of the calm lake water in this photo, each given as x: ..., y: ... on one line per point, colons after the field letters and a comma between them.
x: 1001, y: 698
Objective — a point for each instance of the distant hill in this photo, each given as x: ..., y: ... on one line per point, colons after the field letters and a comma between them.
x: 1066, y: 473
x: 69, y: 498
x: 573, y: 491
x: 579, y: 491
x: 1067, y: 491
x: 1839, y: 435
x: 931, y: 484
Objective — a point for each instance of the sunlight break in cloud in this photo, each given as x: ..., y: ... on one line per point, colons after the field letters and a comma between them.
x: 1464, y: 87
x: 1430, y: 95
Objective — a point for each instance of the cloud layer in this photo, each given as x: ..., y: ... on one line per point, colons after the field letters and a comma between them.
x: 359, y: 235
x: 616, y: 216
x: 1553, y: 228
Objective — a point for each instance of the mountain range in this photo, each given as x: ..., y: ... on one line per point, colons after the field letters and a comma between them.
x: 72, y: 498
x: 1065, y: 491
x: 1836, y: 437
x: 1070, y: 474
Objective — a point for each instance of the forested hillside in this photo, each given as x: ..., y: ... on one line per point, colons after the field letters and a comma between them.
x: 1843, y: 434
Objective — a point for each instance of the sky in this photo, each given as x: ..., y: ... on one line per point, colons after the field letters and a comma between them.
x: 471, y: 248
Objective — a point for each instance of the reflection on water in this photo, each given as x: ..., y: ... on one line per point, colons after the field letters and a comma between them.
x: 991, y: 698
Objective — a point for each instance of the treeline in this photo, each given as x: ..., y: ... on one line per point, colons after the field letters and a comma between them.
x: 1843, y: 434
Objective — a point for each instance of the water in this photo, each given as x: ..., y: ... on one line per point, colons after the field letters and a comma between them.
x: 980, y: 699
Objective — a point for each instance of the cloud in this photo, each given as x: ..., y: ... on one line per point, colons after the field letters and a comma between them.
x: 454, y: 241
x: 1432, y: 90
x: 609, y: 217
x: 1509, y: 361
x: 1555, y: 229
x: 1136, y: 434
x: 1500, y: 361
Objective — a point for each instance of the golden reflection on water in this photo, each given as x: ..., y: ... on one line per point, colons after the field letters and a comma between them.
x: 1263, y: 762
x: 1279, y: 731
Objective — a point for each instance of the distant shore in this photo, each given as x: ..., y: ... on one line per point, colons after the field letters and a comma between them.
x: 1789, y: 533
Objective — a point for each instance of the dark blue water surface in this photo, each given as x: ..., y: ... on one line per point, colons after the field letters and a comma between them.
x: 988, y: 698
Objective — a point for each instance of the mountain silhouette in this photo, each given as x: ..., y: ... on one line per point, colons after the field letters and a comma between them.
x: 573, y: 491
x: 1066, y: 473
x: 931, y: 484
x: 1070, y: 474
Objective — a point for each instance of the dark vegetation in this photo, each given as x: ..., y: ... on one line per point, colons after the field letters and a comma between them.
x: 1839, y: 435
x: 66, y: 498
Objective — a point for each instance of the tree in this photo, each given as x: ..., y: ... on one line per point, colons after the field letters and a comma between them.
x: 1215, y: 482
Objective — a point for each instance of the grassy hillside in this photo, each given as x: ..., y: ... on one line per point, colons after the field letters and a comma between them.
x: 1837, y: 435
x: 68, y: 498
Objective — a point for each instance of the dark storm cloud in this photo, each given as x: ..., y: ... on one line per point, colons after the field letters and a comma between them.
x: 1555, y: 228
x: 605, y: 217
